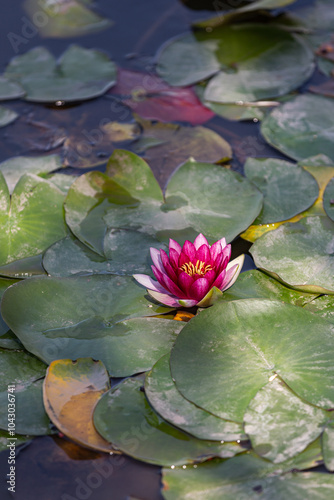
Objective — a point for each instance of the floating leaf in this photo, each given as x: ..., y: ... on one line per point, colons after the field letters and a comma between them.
x: 78, y: 75
x: 226, y: 354
x: 30, y: 416
x: 71, y: 391
x: 4, y: 436
x: 13, y: 168
x: 66, y: 18
x: 254, y: 284
x: 7, y: 116
x: 9, y: 90
x: 328, y: 446
x: 322, y: 306
x: 318, y: 16
x: 22, y: 371
x: 299, y: 255
x: 126, y: 253
x: 4, y: 284
x: 279, y: 424
x: 287, y: 188
x: 32, y: 219
x: 329, y: 199
x: 124, y: 417
x: 103, y: 323
x: 245, y: 477
x: 302, y: 127
x: 151, y: 98
x: 194, y: 202
x: 166, y: 400
x: 166, y: 146
x: 251, y: 57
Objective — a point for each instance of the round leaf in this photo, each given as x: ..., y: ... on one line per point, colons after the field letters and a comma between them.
x: 7, y: 116
x: 79, y: 74
x: 71, y: 391
x: 98, y: 324
x: 329, y: 199
x: 279, y: 424
x: 302, y: 127
x: 124, y: 417
x: 299, y: 254
x: 287, y: 188
x: 9, y: 90
x: 31, y: 220
x: 328, y: 446
x: 166, y: 400
x: 226, y: 354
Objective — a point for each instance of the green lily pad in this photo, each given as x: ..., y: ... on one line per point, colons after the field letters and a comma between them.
x: 62, y: 181
x: 23, y: 372
x: 31, y: 220
x: 30, y: 416
x: 5, y: 439
x: 9, y: 90
x: 322, y: 306
x: 299, y: 255
x: 166, y: 400
x: 66, y: 19
x: 78, y: 75
x: 7, y: 116
x: 227, y: 353
x: 328, y: 446
x: 302, y: 127
x: 13, y: 168
x: 23, y: 268
x: 249, y: 60
x: 246, y: 477
x: 124, y: 417
x: 193, y: 202
x: 4, y: 284
x: 287, y: 188
x: 126, y: 253
x: 255, y: 284
x: 104, y: 323
x: 318, y: 16
x: 329, y: 199
x: 279, y: 424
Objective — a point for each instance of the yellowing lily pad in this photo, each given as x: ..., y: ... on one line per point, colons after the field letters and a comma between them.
x: 71, y: 391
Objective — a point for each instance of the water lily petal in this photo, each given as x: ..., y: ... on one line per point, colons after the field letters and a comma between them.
x: 217, y: 248
x: 183, y: 259
x: 164, y: 298
x: 232, y: 271
x: 173, y: 288
x: 168, y: 268
x: 219, y: 281
x: 187, y: 302
x: 175, y: 246
x: 210, y: 276
x: 159, y: 276
x: 185, y: 281
x: 174, y: 258
x: 155, y: 256
x: 148, y: 282
x: 203, y: 254
x: 199, y: 288
x: 189, y: 249
x: 213, y: 295
x: 200, y: 240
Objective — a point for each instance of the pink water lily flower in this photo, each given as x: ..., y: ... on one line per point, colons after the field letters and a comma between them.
x: 193, y: 275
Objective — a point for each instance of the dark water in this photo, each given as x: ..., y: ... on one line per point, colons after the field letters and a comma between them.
x: 52, y: 468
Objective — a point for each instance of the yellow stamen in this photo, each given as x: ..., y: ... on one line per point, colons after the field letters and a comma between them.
x: 199, y: 268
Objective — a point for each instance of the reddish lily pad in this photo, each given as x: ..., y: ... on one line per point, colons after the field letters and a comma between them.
x: 153, y: 99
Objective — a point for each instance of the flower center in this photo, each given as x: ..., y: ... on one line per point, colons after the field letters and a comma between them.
x: 199, y: 268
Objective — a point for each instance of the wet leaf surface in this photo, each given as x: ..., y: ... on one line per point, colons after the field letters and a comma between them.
x: 226, y: 354
x: 124, y: 417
